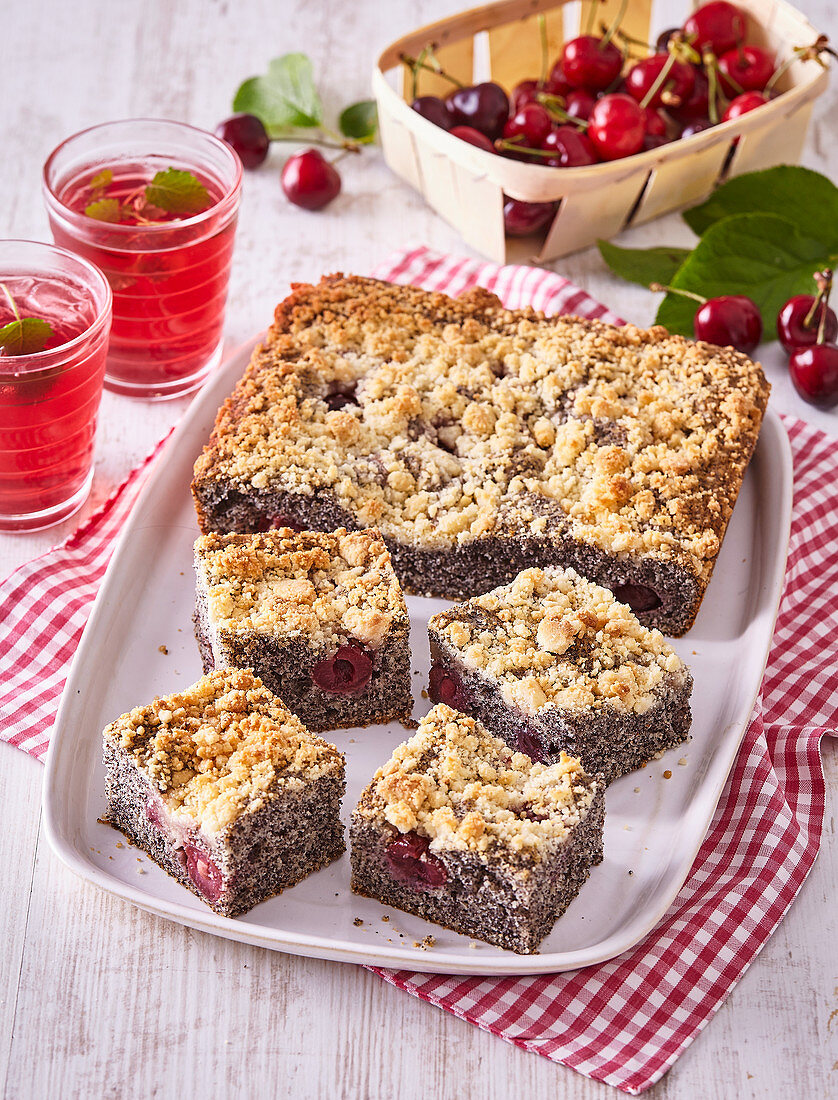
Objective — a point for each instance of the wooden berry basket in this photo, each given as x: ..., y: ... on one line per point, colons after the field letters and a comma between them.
x: 502, y: 42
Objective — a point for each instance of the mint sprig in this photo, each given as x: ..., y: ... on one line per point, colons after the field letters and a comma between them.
x: 762, y: 234
x: 286, y: 101
x: 177, y: 192
x: 104, y: 210
x: 24, y: 335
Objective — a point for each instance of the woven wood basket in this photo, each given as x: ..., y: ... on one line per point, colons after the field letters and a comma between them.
x: 502, y: 42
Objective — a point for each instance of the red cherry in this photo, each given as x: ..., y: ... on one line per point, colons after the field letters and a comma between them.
x: 616, y: 127
x: 792, y: 330
x: 653, y: 141
x: 579, y: 104
x: 525, y: 92
x: 473, y: 137
x: 587, y: 63
x: 434, y: 109
x: 814, y: 372
x: 717, y: 26
x: 743, y: 104
x: 346, y: 672
x: 749, y: 67
x: 309, y: 180
x: 445, y: 686
x: 485, y: 107
x: 205, y: 876
x: 639, y: 597
x: 523, y: 219
x: 677, y: 85
x: 532, y: 124
x: 410, y: 862
x: 654, y: 123
x: 697, y: 103
x: 529, y: 743
x: 557, y: 83
x: 730, y: 320
x: 246, y: 134
x: 695, y: 126
x: 572, y: 149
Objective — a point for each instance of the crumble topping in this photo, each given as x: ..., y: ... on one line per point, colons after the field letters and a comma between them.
x: 324, y: 587
x: 466, y: 790
x: 553, y: 638
x: 221, y: 748
x: 461, y: 418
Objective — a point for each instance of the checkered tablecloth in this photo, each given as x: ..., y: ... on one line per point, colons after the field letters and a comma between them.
x: 624, y: 1022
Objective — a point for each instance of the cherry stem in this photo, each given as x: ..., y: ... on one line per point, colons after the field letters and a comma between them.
x: 620, y: 33
x: 709, y: 62
x: 305, y: 139
x: 589, y: 23
x: 554, y: 105
x: 802, y: 53
x: 545, y: 48
x: 661, y: 288
x: 661, y: 77
x: 429, y: 66
x: 612, y: 30
x: 824, y: 281
x: 512, y: 146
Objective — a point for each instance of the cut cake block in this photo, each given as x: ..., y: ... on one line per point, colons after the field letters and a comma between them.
x: 458, y: 829
x: 552, y: 663
x: 320, y: 617
x: 226, y: 790
x: 483, y: 440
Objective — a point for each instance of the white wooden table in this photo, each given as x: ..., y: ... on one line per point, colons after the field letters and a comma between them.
x: 99, y: 1000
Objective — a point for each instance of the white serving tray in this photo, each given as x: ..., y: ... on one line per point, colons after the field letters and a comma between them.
x: 654, y: 824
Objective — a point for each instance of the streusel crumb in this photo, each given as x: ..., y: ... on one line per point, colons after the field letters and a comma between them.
x: 219, y: 748
x: 323, y: 587
x: 553, y: 638
x: 466, y: 790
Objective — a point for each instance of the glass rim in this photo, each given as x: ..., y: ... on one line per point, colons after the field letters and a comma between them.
x: 102, y: 315
x: 225, y: 204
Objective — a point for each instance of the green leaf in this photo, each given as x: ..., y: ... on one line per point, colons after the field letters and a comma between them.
x: 359, y: 121
x: 763, y: 256
x: 25, y: 336
x: 643, y: 265
x: 177, y: 192
x: 101, y: 180
x: 104, y: 210
x: 799, y: 195
x: 285, y: 98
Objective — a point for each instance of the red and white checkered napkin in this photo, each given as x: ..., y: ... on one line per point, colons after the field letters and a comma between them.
x: 626, y: 1021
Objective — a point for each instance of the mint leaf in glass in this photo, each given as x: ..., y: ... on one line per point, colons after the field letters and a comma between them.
x: 284, y: 98
x: 359, y: 121
x: 24, y: 336
x: 101, y: 180
x: 104, y: 210
x: 177, y: 192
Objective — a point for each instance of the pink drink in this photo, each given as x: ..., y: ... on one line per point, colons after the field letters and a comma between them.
x: 49, y: 399
x: 168, y: 272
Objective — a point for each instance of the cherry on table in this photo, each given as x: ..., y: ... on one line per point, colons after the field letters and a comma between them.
x: 745, y: 69
x: 799, y: 321
x: 309, y: 180
x: 717, y: 26
x: 473, y: 137
x: 246, y: 135
x: 743, y: 104
x: 434, y: 109
x: 616, y: 126
x: 729, y: 320
x: 591, y: 62
x: 485, y: 107
x: 814, y: 373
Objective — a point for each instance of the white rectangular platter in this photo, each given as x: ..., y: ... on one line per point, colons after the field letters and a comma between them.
x: 656, y: 817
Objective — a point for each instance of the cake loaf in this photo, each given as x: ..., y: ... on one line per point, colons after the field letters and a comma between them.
x: 483, y: 441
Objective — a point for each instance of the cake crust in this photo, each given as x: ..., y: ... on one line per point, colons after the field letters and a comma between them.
x: 454, y: 425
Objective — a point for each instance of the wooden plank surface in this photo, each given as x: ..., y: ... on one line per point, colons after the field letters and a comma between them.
x: 99, y: 1000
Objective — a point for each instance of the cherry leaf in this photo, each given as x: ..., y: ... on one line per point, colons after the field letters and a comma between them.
x: 177, y: 192
x: 26, y: 336
x: 104, y: 210
x: 643, y: 265
x: 359, y: 121
x: 284, y: 98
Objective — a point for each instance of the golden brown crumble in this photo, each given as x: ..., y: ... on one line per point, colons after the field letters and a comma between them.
x: 323, y: 587
x: 465, y: 412
x: 552, y: 638
x: 222, y: 747
x: 466, y: 790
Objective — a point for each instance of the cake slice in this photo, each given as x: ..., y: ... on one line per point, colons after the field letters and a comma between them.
x: 552, y: 663
x: 319, y: 617
x: 225, y: 790
x: 460, y: 830
x: 482, y: 441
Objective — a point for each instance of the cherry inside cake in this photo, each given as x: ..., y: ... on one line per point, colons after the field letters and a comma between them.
x: 459, y: 829
x: 553, y: 663
x: 319, y: 617
x: 225, y: 790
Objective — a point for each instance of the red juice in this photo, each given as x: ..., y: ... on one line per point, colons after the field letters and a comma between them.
x: 168, y: 272
x: 49, y: 399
